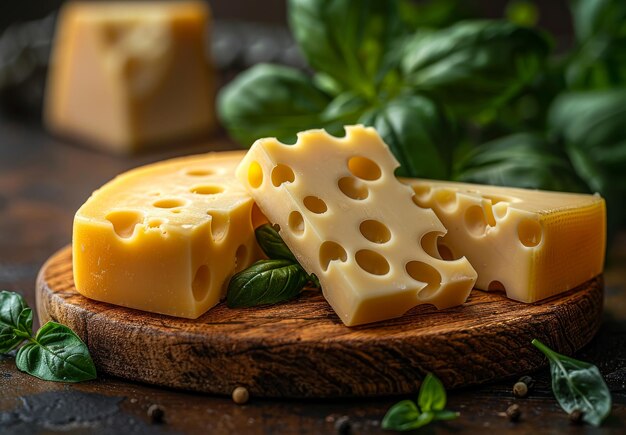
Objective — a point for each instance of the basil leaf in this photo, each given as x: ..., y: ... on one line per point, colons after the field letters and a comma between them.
x: 519, y: 160
x: 578, y: 385
x: 475, y: 63
x: 266, y: 282
x: 434, y: 13
x: 56, y: 354
x: 597, y: 16
x: 16, y: 320
x: 270, y: 101
x: 599, y: 60
x: 419, y: 134
x: 272, y: 244
x: 592, y: 126
x: 432, y: 395
x: 345, y: 109
x: 348, y: 42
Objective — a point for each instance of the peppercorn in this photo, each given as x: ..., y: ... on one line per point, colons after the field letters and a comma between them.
x: 156, y: 414
x: 530, y: 382
x: 520, y: 389
x: 342, y: 425
x: 240, y: 395
x: 514, y: 413
x: 576, y: 416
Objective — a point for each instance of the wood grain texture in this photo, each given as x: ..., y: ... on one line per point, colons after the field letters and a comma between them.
x: 301, y: 348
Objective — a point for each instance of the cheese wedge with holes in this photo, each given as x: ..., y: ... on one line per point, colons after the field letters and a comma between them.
x: 126, y: 76
x: 348, y: 220
x: 531, y: 244
x: 167, y: 237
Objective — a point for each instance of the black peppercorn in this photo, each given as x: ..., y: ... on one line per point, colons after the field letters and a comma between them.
x: 343, y: 426
x: 156, y: 414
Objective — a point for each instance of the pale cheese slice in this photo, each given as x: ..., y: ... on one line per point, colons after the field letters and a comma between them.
x: 167, y: 237
x: 348, y: 220
x: 532, y: 244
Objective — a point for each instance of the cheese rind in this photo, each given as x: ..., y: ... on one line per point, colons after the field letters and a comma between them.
x: 531, y: 244
x: 166, y: 237
x: 130, y: 75
x: 348, y: 219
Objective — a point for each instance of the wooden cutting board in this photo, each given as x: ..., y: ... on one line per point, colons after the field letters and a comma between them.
x: 301, y: 348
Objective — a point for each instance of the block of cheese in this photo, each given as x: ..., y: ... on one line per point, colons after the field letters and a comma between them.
x: 348, y: 219
x: 130, y: 75
x: 531, y: 244
x: 166, y: 237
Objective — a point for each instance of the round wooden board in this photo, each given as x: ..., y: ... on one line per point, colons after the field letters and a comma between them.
x: 301, y: 348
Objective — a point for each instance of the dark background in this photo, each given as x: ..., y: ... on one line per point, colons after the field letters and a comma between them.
x: 554, y: 14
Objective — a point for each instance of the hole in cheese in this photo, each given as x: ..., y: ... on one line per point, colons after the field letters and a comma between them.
x: 207, y: 190
x: 446, y: 199
x: 315, y: 204
x: 201, y: 281
x: 331, y: 251
x: 353, y: 188
x: 257, y: 218
x: 296, y: 223
x: 425, y: 273
x: 364, y: 168
x: 282, y: 174
x: 169, y: 203
x: 241, y: 258
x: 429, y: 243
x: 124, y: 222
x: 496, y: 286
x: 475, y: 221
x: 176, y: 211
x: 219, y: 225
x: 529, y: 232
x: 491, y: 219
x: 155, y: 223
x: 199, y: 172
x: 372, y: 262
x: 255, y: 175
x: 421, y: 194
x: 375, y: 231
x: 500, y: 210
x: 445, y: 252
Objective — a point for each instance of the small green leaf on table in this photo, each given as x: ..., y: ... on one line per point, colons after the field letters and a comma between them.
x: 578, y: 386
x: 407, y: 415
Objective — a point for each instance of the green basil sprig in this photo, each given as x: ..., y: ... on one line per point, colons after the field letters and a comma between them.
x: 372, y: 67
x: 56, y: 353
x: 278, y: 279
x: 431, y: 402
x: 578, y: 385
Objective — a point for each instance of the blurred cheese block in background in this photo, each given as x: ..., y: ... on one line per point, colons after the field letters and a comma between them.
x: 127, y: 76
x: 532, y: 244
x: 166, y: 237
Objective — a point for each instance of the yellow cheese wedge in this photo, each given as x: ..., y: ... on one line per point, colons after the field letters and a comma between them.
x: 129, y: 75
x: 531, y: 244
x: 166, y: 237
x: 348, y: 219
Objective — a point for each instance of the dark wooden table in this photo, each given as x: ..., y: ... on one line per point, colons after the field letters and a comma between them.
x: 44, y: 180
